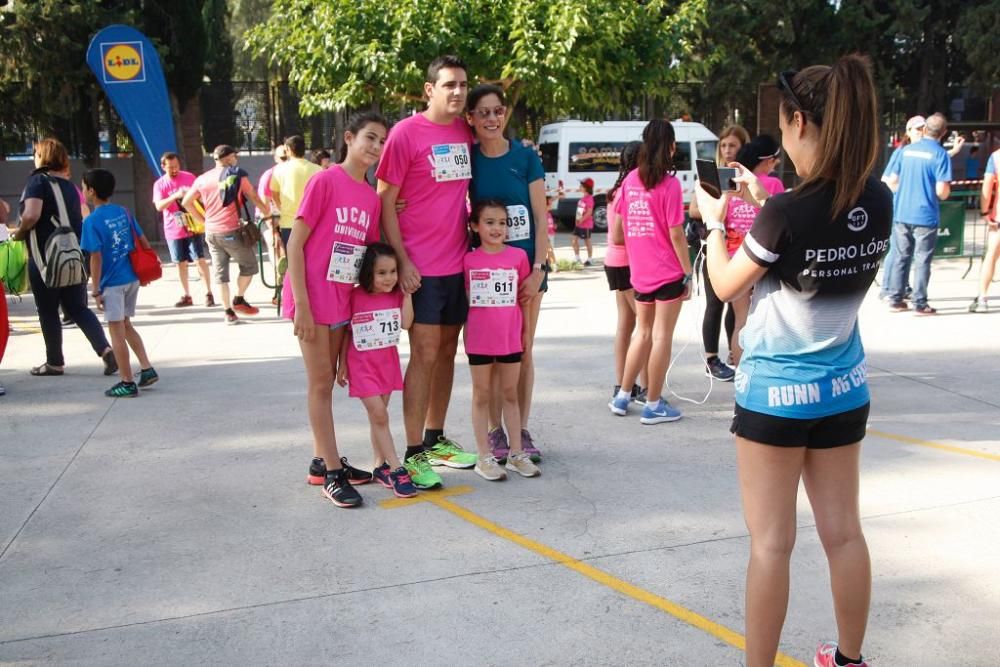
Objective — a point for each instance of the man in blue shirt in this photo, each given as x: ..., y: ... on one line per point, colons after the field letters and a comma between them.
x: 920, y: 177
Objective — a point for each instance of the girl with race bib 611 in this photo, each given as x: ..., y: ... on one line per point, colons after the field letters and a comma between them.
x: 338, y: 218
x: 512, y: 173
x: 493, y: 275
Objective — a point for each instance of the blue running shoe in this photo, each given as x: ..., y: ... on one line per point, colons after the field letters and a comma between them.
x: 619, y: 406
x: 662, y: 412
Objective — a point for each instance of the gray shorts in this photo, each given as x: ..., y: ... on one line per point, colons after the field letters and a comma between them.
x: 119, y: 301
x: 226, y: 246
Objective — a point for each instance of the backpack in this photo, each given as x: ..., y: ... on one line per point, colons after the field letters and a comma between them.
x: 14, y: 266
x: 61, y: 265
x: 229, y: 193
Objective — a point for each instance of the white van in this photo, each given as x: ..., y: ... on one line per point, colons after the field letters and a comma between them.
x: 573, y: 150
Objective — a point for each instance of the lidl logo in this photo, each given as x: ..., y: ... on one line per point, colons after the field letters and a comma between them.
x: 123, y: 62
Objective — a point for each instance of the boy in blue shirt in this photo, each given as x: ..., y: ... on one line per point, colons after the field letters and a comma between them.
x: 108, y: 235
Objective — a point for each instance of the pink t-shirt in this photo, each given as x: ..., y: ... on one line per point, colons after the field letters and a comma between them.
x: 615, y: 255
x: 551, y: 222
x: 343, y: 216
x: 264, y: 186
x: 740, y: 215
x: 218, y: 218
x: 492, y: 280
x: 430, y: 165
x: 164, y: 187
x: 374, y: 371
x: 585, y: 206
x: 647, y: 216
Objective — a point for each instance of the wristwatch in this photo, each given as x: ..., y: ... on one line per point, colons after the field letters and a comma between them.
x: 715, y: 226
x: 537, y: 266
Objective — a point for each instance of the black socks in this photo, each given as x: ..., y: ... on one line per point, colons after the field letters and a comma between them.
x: 843, y: 661
x: 413, y: 451
x: 431, y: 436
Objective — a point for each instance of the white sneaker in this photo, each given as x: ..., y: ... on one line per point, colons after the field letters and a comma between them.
x: 489, y: 468
x: 522, y: 465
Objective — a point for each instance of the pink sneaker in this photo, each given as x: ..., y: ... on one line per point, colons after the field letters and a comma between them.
x: 825, y: 653
x: 499, y: 447
x: 528, y: 445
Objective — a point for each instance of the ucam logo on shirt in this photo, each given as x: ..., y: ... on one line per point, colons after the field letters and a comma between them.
x: 123, y: 62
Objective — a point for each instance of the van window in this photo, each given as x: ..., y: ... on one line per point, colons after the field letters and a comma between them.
x: 595, y: 155
x: 706, y: 149
x: 550, y: 157
x: 682, y: 156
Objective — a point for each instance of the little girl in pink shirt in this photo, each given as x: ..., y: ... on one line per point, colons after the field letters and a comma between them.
x: 369, y: 358
x: 493, y: 274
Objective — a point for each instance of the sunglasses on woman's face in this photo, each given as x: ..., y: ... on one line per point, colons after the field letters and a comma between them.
x: 785, y: 83
x: 499, y: 112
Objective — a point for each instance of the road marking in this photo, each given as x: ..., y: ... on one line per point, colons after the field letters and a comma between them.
x: 425, y: 497
x: 718, y: 631
x: 935, y: 445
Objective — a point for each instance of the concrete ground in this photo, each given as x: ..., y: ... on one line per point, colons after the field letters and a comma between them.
x: 177, y: 529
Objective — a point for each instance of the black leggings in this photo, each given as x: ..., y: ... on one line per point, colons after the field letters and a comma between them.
x: 713, y: 317
x: 73, y: 300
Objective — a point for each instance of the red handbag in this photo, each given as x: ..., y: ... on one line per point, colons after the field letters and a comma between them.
x: 145, y: 263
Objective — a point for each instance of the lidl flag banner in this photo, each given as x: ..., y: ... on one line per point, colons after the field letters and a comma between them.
x: 128, y: 68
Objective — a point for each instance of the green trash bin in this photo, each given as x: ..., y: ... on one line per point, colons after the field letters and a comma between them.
x: 951, y: 232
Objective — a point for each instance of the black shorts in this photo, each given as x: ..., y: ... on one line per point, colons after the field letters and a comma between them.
x: 666, y: 292
x: 837, y: 430
x: 486, y: 359
x: 441, y: 300
x: 582, y: 233
x: 619, y: 278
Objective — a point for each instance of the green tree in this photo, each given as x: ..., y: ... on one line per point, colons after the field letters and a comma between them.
x: 978, y: 35
x: 583, y: 57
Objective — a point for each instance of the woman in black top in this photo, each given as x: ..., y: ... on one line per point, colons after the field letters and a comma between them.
x: 38, y: 206
x: 801, y: 387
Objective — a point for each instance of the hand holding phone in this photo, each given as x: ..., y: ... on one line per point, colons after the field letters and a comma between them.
x: 714, y: 179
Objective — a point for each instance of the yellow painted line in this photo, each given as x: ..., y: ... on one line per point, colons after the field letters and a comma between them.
x: 677, y: 611
x: 935, y: 445
x: 425, y: 497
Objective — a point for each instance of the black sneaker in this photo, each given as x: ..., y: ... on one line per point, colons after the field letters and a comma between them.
x: 638, y: 394
x: 718, y: 370
x: 110, y: 365
x: 354, y: 475
x: 382, y: 475
x: 338, y: 489
x: 317, y: 472
x: 148, y: 376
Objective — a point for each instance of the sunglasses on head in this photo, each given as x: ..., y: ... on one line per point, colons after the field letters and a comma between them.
x: 785, y: 83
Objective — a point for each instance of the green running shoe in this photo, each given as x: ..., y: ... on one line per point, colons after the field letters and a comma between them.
x: 421, y: 474
x: 449, y: 453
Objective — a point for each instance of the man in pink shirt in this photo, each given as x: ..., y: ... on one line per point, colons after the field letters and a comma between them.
x: 222, y: 229
x: 185, y: 246
x: 426, y: 162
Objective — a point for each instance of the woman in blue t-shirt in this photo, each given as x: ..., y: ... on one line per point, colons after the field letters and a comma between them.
x: 512, y: 173
x: 801, y: 386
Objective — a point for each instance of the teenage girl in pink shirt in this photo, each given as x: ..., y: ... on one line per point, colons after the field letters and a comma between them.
x: 493, y: 343
x: 652, y: 214
x: 337, y: 219
x: 369, y: 358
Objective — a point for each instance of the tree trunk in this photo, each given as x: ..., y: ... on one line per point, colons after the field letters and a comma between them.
x: 191, y: 150
x: 145, y: 212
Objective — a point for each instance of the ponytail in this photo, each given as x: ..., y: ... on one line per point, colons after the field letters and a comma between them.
x: 842, y: 102
x: 627, y: 161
